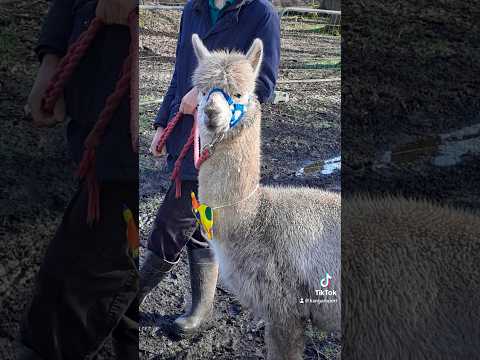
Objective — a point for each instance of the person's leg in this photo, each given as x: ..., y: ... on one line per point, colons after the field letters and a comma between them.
x: 125, y: 336
x: 174, y: 223
x: 87, y: 280
x: 175, y: 227
x: 172, y: 228
x: 203, y: 281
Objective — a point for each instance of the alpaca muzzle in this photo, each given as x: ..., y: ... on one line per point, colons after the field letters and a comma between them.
x: 212, y: 115
x: 237, y: 110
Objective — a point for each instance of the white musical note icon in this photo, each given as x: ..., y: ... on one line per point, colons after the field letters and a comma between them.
x: 326, y: 280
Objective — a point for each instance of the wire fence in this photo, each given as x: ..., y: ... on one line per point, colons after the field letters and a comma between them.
x: 322, y: 21
x: 308, y: 20
x: 310, y: 41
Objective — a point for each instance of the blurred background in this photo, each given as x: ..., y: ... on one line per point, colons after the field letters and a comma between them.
x: 36, y: 173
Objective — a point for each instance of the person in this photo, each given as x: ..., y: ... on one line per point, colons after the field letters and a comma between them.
x: 87, y: 285
x: 222, y: 24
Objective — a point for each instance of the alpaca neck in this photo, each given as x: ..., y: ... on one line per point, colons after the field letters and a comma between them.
x: 232, y: 172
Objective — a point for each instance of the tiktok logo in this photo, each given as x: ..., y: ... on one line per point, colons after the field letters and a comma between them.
x: 326, y: 295
x: 326, y: 280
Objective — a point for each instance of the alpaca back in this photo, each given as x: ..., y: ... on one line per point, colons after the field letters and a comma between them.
x: 304, y: 223
x: 277, y: 254
x: 411, y: 268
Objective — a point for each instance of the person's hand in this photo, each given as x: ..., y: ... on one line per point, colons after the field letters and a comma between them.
x: 33, y: 108
x: 189, y: 102
x: 115, y: 11
x: 155, y: 142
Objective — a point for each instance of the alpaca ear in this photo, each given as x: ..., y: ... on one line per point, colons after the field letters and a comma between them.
x: 255, y: 55
x: 200, y: 50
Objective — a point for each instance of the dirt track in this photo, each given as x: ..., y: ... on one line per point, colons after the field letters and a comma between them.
x: 302, y: 131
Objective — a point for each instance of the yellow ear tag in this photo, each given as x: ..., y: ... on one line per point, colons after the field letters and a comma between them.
x: 204, y: 216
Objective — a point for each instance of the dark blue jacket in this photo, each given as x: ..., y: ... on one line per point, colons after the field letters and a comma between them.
x: 93, y: 81
x: 236, y: 28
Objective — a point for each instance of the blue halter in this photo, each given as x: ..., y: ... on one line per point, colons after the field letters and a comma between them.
x: 238, y: 110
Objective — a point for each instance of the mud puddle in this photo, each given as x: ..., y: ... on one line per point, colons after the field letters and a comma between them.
x: 442, y: 150
x: 321, y: 168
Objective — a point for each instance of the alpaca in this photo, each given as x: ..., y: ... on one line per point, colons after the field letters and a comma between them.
x: 412, y: 269
x: 274, y: 244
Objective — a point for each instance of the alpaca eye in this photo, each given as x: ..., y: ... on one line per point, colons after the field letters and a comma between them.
x: 238, y: 96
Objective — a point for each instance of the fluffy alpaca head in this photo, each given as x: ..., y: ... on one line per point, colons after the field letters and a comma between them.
x: 233, y: 72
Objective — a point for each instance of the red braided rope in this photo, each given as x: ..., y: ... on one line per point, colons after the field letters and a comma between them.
x: 168, y: 130
x: 87, y: 165
x: 201, y: 159
x: 86, y: 169
x: 68, y: 64
x: 161, y: 143
x: 178, y: 164
x: 198, y: 158
x: 112, y: 103
x: 192, y: 140
x: 128, y: 80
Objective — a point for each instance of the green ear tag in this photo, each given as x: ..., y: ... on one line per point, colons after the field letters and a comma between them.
x: 204, y: 215
x: 208, y: 213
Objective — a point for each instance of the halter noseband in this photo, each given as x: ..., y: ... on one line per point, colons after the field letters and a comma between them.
x: 237, y: 109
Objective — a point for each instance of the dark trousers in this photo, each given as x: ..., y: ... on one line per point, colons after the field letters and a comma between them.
x: 175, y: 225
x: 87, y: 285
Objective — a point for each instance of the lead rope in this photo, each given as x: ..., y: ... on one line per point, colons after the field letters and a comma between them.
x: 198, y: 158
x: 67, y: 65
x: 128, y: 79
x: 193, y: 139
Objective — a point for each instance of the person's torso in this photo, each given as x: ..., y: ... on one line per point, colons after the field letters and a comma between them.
x: 92, y: 82
x: 235, y: 29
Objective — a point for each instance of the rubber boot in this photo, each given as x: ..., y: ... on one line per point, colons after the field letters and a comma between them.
x: 203, y: 279
x: 152, y: 270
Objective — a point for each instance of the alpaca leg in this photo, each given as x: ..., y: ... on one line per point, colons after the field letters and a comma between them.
x: 285, y: 342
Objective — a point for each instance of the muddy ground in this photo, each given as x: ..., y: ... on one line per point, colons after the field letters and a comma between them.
x: 410, y: 74
x: 300, y: 132
x: 36, y: 177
